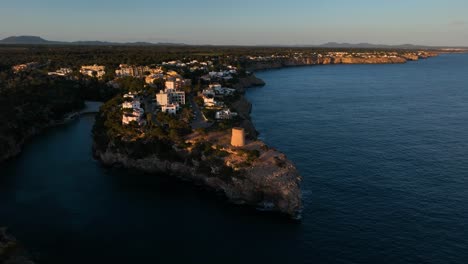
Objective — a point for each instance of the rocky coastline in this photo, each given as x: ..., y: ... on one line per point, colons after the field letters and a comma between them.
x: 270, y: 183
x: 14, y: 144
x: 11, y: 251
x: 327, y: 60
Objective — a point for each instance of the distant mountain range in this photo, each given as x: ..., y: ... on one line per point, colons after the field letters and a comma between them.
x: 35, y: 40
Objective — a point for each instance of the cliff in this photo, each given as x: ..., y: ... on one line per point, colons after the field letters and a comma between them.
x: 253, y: 175
x: 243, y: 107
x: 270, y: 183
x: 334, y: 59
x: 27, y: 109
x: 11, y: 251
x: 247, y: 82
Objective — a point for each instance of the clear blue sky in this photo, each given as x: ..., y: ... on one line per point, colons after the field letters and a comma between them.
x: 250, y: 22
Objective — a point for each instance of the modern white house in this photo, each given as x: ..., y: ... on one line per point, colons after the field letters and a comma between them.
x: 61, y: 72
x: 209, y: 97
x: 132, y: 110
x: 136, y: 115
x: 225, y: 114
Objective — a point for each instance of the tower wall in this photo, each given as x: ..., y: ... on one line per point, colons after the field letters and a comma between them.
x: 238, y: 137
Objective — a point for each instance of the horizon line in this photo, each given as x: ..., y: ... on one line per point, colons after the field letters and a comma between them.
x: 58, y: 42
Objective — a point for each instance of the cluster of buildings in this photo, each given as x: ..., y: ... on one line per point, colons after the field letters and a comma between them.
x: 225, y: 114
x: 61, y: 72
x: 132, y: 110
x: 93, y: 70
x: 176, y: 82
x: 213, y: 95
x: 224, y: 74
x: 172, y: 97
x: 267, y: 58
x: 192, y: 65
x: 213, y: 98
x: 24, y: 67
x: 170, y: 100
x: 136, y: 71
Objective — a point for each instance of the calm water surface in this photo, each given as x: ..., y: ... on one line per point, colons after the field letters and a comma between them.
x: 383, y: 150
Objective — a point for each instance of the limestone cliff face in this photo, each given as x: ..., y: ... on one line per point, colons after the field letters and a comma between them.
x: 271, y: 183
x: 410, y: 56
x: 323, y: 60
x: 11, y: 149
x: 247, y: 82
x: 13, y: 145
x: 380, y: 60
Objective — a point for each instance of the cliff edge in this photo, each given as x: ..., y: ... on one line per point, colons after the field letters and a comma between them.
x: 254, y: 174
x: 11, y: 252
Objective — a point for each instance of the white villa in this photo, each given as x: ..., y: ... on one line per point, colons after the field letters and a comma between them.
x: 225, y: 114
x: 209, y: 97
x: 92, y: 70
x: 132, y: 110
x: 61, y: 72
x: 219, y: 90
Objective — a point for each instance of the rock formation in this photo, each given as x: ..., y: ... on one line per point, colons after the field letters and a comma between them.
x: 11, y: 252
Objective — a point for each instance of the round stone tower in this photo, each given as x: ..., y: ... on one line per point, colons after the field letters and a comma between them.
x: 238, y: 137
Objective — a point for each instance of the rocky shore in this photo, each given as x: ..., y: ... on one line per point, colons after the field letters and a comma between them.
x: 14, y: 143
x: 11, y: 252
x: 270, y: 182
x: 326, y: 60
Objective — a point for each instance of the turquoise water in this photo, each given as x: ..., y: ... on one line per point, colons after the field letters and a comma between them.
x: 383, y: 150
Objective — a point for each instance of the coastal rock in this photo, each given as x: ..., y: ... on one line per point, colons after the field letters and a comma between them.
x: 11, y: 252
x: 247, y: 82
x: 243, y: 108
x: 324, y: 60
x: 356, y: 60
x: 12, y: 145
x: 410, y: 56
x: 271, y: 183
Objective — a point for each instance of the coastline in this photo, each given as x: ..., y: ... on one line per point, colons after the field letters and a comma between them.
x: 278, y: 199
x: 17, y: 146
x: 336, y: 60
x: 11, y: 251
x: 270, y: 183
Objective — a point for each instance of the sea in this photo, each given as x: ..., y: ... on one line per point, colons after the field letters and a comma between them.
x: 382, y: 150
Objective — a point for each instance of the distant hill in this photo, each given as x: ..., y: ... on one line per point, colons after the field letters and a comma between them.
x: 24, y: 40
x: 35, y: 40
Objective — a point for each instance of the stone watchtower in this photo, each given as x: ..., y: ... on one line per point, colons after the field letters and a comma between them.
x: 238, y: 137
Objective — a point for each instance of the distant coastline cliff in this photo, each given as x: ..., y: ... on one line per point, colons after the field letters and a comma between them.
x: 337, y: 58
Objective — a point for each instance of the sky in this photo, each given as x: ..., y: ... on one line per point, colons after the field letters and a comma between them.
x: 240, y: 22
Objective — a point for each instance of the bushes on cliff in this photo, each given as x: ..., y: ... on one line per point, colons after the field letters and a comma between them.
x: 251, y: 155
x: 30, y: 103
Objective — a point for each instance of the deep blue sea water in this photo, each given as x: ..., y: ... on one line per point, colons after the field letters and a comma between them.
x: 383, y: 150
